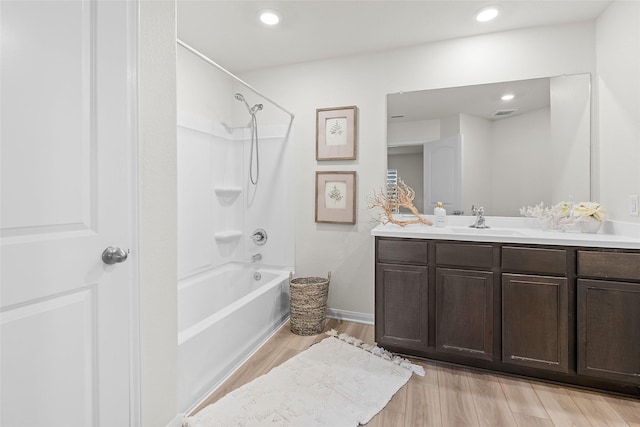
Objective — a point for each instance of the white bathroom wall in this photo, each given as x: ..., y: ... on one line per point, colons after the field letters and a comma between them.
x: 416, y: 130
x: 365, y: 80
x: 477, y: 163
x: 157, y: 213
x: 517, y: 157
x: 198, y: 87
x: 450, y: 125
x: 570, y: 147
x: 618, y: 96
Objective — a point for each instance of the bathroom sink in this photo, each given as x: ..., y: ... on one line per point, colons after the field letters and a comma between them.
x: 487, y: 231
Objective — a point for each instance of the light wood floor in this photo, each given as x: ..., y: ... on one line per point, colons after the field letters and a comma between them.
x: 451, y: 396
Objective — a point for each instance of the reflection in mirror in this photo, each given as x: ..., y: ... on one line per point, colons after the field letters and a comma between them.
x: 467, y: 146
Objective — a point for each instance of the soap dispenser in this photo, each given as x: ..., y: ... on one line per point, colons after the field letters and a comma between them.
x: 441, y: 215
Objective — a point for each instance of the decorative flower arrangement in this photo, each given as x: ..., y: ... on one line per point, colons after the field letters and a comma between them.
x: 564, y: 215
x: 589, y: 216
x: 589, y: 209
x: 556, y: 217
x: 559, y: 216
x: 536, y: 211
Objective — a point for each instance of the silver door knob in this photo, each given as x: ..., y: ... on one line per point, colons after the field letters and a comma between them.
x: 113, y: 255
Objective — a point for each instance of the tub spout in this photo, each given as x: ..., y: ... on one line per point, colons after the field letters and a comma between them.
x: 256, y: 257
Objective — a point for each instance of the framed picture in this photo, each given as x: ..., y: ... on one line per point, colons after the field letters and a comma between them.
x: 336, y: 133
x: 336, y: 197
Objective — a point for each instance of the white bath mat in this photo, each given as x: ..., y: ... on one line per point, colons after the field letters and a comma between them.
x: 340, y: 381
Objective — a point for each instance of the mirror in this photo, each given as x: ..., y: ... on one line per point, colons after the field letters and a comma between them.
x: 467, y: 146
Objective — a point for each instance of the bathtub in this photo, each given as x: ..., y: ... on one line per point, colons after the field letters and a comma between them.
x: 224, y: 315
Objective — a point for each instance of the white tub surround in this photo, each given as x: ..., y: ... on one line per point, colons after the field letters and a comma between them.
x: 613, y: 234
x: 224, y: 315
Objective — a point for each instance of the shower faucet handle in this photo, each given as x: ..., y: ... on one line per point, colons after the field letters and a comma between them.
x: 259, y: 237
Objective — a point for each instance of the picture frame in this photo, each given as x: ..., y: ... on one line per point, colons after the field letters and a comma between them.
x: 336, y: 197
x: 337, y: 133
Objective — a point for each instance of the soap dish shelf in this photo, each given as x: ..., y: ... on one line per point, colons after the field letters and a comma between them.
x: 227, y: 241
x: 228, y: 236
x: 227, y: 195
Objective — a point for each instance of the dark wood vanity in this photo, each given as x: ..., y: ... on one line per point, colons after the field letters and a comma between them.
x: 566, y: 314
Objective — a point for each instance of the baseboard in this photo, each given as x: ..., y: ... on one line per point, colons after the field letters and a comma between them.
x: 350, y: 316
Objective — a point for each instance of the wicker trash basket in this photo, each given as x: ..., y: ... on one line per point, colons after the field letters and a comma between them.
x: 308, y: 304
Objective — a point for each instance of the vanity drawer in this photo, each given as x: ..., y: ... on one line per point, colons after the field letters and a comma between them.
x: 464, y: 255
x: 534, y: 260
x: 609, y: 265
x: 402, y: 251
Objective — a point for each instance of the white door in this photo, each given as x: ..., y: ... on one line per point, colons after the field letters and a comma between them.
x: 67, y: 194
x: 443, y: 174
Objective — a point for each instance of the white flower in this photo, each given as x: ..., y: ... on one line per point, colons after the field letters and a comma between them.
x: 589, y: 209
x: 556, y: 217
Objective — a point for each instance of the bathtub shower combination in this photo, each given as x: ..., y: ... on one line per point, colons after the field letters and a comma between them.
x: 224, y: 315
x: 235, y: 230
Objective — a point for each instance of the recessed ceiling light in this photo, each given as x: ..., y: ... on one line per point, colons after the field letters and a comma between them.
x: 507, y: 97
x: 487, y: 14
x: 269, y: 17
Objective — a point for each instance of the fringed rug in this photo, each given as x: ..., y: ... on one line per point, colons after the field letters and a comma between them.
x: 337, y: 382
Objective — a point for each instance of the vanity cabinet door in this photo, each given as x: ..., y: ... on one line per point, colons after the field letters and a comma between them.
x: 609, y: 330
x: 535, y: 321
x: 464, y: 313
x: 401, y: 306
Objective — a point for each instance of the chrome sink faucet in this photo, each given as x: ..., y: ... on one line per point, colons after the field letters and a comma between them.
x: 479, y: 213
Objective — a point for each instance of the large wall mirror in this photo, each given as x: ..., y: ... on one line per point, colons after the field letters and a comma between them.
x: 501, y: 145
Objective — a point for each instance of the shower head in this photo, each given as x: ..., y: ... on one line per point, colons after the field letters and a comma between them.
x: 240, y: 98
x: 251, y: 110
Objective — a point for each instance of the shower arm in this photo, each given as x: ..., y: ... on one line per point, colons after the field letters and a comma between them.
x: 224, y: 70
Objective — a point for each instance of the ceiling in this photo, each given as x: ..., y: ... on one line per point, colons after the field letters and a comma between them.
x: 229, y: 32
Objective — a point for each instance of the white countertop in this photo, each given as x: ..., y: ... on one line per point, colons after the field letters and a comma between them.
x: 613, y: 234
